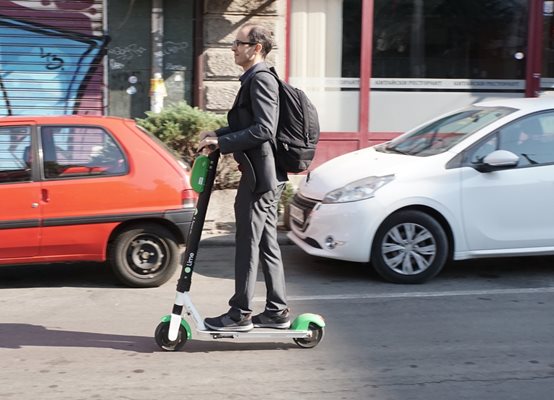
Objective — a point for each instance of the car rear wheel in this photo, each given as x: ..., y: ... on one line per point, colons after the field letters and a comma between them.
x: 144, y: 256
x: 409, y: 247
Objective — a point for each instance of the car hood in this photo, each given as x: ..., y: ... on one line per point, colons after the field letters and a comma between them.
x: 353, y: 166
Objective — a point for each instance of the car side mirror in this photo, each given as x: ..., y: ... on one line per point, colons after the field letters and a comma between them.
x: 497, y: 160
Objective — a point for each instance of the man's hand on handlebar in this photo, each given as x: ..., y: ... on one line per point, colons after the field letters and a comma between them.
x: 207, y: 144
x: 204, y: 134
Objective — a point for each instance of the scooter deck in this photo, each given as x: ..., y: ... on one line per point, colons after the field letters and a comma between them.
x: 257, y: 333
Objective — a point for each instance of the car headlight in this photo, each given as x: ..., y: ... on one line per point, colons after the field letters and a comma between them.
x: 357, y: 190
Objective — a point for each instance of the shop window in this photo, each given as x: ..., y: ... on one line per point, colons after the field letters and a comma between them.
x: 325, y: 58
x: 449, y: 39
x: 547, y: 82
x: 430, y: 57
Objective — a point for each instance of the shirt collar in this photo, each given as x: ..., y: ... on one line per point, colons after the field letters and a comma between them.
x: 251, y: 71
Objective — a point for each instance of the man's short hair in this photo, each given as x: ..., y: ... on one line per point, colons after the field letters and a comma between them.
x: 261, y: 35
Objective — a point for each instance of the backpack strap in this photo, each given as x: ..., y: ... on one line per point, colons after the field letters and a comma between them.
x: 306, y: 121
x: 273, y: 72
x: 302, y: 98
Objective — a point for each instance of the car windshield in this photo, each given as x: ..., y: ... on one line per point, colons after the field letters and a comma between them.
x: 440, y: 135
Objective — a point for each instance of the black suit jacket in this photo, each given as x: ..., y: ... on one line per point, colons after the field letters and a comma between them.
x: 252, y: 126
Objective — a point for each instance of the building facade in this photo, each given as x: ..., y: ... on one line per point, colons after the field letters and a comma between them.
x: 51, y: 57
x: 373, y: 68
x: 376, y: 68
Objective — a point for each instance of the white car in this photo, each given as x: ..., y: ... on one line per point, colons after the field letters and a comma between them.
x: 478, y: 182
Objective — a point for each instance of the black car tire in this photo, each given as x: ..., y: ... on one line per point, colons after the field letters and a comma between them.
x: 409, y: 247
x: 144, y: 256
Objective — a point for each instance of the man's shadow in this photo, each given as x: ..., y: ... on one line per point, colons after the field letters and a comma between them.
x: 16, y: 336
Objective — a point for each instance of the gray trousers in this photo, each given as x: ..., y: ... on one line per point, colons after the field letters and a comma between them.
x: 256, y: 241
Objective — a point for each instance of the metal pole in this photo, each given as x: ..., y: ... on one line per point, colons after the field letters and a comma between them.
x: 365, y: 71
x: 533, y: 65
x: 198, y: 77
x: 157, y: 86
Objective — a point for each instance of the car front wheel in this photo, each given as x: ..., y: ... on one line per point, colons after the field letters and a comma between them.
x: 144, y: 256
x: 409, y: 247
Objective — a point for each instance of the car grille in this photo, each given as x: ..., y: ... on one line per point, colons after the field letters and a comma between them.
x: 306, y: 205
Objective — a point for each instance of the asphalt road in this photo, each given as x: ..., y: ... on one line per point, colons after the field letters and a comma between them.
x: 478, y: 331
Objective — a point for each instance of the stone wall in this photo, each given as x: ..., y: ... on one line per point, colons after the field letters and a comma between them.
x: 222, y: 19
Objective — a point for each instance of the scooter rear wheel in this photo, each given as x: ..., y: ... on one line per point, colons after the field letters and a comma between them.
x: 162, y: 340
x: 310, y: 342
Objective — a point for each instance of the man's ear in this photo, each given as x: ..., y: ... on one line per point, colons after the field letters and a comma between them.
x: 258, y: 48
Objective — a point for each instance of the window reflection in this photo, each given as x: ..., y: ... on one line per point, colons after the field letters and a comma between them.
x: 548, y: 45
x: 325, y: 58
x: 449, y: 39
x: 15, y: 154
x: 530, y: 138
x: 79, y: 152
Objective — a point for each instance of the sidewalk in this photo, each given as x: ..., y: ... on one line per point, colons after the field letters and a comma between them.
x: 219, y: 227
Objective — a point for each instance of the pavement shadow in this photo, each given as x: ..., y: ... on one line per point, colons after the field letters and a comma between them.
x: 15, y: 336
x: 78, y: 274
x: 218, y: 262
x: 529, y: 267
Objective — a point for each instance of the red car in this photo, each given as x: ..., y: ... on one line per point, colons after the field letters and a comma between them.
x: 80, y: 188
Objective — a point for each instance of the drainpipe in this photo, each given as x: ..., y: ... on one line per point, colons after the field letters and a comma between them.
x: 533, y: 65
x: 157, y: 86
x: 198, y: 75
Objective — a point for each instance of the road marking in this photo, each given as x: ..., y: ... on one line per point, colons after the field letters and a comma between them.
x: 407, y: 295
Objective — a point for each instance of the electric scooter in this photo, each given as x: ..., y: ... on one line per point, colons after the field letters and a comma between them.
x: 172, y: 333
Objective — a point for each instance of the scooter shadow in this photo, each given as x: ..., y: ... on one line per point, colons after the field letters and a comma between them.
x: 211, y: 346
x: 17, y: 336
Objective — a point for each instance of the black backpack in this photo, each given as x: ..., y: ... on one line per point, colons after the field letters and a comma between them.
x: 298, y: 128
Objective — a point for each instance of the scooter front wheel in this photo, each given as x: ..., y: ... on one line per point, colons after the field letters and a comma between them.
x: 162, y: 340
x: 312, y: 341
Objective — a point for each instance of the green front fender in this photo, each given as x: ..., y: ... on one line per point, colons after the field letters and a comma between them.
x: 199, y: 173
x: 303, y: 321
x: 185, y: 324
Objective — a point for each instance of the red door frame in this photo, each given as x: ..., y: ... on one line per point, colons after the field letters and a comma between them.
x: 533, y: 64
x: 366, y: 44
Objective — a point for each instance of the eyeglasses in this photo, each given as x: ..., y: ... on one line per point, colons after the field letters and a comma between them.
x: 237, y: 43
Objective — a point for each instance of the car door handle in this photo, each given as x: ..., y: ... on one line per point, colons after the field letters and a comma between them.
x: 44, y: 195
x: 34, y: 205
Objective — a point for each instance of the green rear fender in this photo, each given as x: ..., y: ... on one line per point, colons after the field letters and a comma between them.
x: 185, y: 324
x: 303, y: 321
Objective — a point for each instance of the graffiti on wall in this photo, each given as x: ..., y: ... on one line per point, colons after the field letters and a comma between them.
x: 51, y: 57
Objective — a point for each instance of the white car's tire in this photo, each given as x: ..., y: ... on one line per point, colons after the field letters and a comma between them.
x: 409, y: 247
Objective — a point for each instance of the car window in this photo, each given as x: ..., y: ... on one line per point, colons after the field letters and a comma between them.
x: 15, y: 154
x: 442, y: 134
x: 530, y: 138
x: 73, y: 151
x: 483, y: 149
